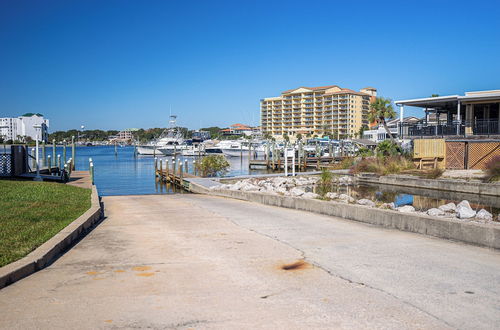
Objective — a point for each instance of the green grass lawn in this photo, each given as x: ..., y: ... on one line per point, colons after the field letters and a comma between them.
x: 33, y: 212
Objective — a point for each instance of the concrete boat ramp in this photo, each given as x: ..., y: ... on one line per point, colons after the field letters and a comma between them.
x: 189, y: 261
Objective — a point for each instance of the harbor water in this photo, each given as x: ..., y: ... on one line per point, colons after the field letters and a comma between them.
x: 124, y: 173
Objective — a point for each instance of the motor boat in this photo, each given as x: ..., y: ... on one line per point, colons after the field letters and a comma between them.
x: 168, y: 143
x: 241, y: 149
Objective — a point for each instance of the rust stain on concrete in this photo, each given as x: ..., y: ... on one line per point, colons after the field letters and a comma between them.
x: 119, y: 271
x: 141, y: 268
x: 297, y: 265
x: 145, y: 274
x: 92, y: 273
x: 108, y: 321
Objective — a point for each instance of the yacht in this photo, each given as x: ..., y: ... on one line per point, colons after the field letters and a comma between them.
x: 169, y: 142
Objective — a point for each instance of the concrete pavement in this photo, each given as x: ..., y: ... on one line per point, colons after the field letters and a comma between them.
x: 196, y: 261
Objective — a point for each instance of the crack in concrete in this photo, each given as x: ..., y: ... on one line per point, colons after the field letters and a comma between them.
x: 332, y: 273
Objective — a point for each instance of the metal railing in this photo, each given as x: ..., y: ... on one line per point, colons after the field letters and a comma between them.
x: 477, y: 127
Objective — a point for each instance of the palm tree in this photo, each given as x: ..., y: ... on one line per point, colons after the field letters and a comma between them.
x: 381, y: 109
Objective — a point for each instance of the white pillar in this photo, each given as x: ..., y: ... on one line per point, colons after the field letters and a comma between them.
x: 401, y: 115
x: 37, y: 158
x: 458, y: 118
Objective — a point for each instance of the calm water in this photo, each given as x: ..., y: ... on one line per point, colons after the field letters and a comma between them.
x: 421, y: 199
x: 125, y: 174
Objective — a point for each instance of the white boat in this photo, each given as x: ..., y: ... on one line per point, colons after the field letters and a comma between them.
x: 169, y: 142
x: 240, y: 149
x: 193, y: 150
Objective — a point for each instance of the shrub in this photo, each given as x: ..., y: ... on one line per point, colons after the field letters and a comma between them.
x: 346, y: 163
x: 388, y: 148
x: 365, y: 152
x: 325, y: 182
x: 383, y: 166
x: 212, y: 165
x: 493, y: 169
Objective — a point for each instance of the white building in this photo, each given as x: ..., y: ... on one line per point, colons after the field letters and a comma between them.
x: 22, y: 127
x: 379, y: 134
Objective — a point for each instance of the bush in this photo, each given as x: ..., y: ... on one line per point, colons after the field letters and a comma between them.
x: 493, y: 169
x: 383, y: 166
x: 325, y: 182
x: 365, y: 152
x: 212, y: 165
x: 388, y: 148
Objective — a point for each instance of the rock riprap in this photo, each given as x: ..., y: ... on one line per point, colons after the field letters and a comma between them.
x: 297, y: 187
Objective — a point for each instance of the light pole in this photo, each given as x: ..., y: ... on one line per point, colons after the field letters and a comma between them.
x: 38, y: 128
x: 82, y: 127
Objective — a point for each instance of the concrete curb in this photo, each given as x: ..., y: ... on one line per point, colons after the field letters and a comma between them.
x: 472, y: 233
x: 46, y: 253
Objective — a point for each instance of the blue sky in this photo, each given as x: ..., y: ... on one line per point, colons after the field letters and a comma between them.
x: 119, y: 64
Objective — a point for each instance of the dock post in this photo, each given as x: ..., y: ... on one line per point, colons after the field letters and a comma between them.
x: 59, y: 162
x: 161, y: 169
x: 293, y: 162
x: 156, y: 166
x: 173, y: 168
x: 44, y: 154
x: 180, y: 173
x: 186, y: 167
x: 73, y: 152
x: 194, y: 167
x: 54, y: 150
x: 91, y: 168
x: 64, y: 151
x: 166, y: 167
x: 49, y: 164
x: 33, y: 163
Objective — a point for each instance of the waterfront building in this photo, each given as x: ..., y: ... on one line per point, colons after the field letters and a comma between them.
x: 125, y: 136
x: 240, y: 129
x: 472, y: 114
x: 310, y: 111
x: 22, y: 127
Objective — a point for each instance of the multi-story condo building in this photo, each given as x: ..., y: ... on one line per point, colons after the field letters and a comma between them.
x: 24, y: 126
x: 316, y: 111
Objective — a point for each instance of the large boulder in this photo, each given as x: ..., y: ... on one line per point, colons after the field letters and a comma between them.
x: 484, y: 215
x: 346, y: 198
x: 464, y: 211
x: 366, y: 202
x: 281, y: 190
x: 434, y: 212
x: 331, y: 195
x: 406, y: 209
x: 450, y: 207
x: 309, y: 195
x: 296, y: 192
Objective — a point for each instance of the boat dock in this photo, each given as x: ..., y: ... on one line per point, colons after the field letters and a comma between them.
x: 301, y: 164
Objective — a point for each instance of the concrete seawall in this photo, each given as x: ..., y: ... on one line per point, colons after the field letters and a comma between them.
x: 46, y: 253
x: 472, y: 233
x: 492, y: 189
